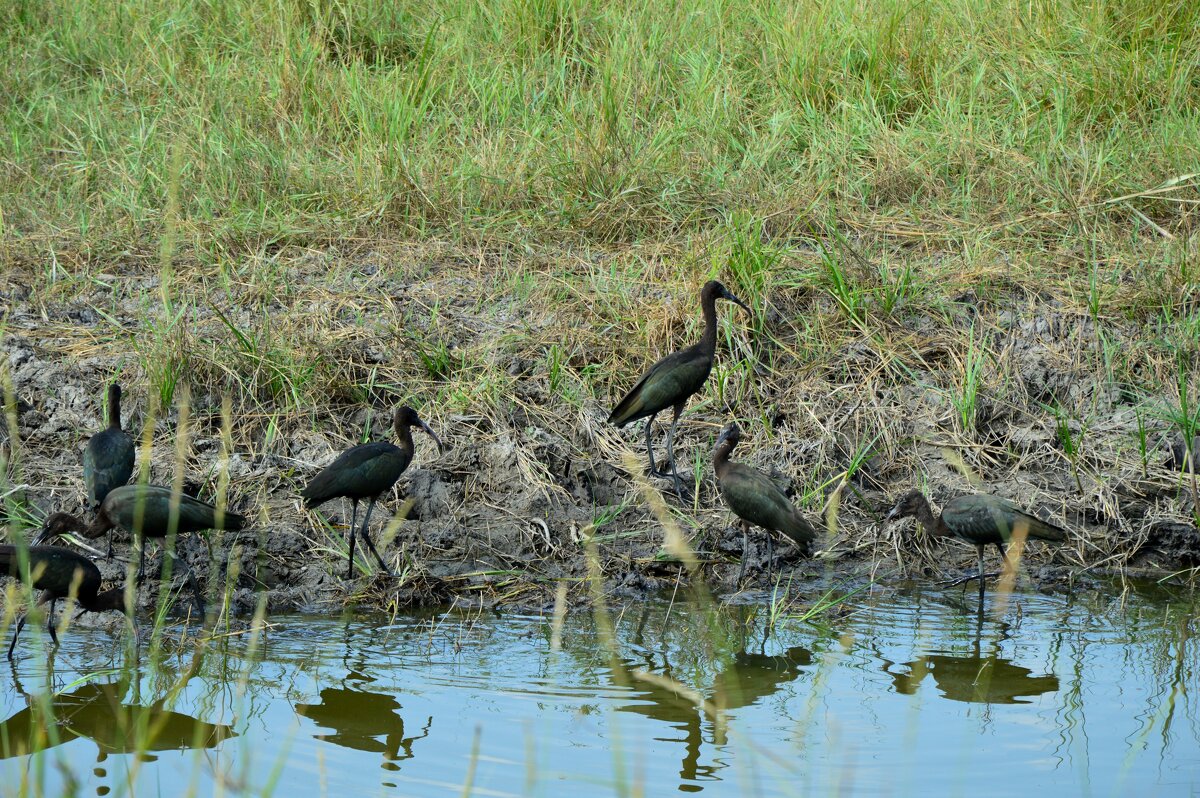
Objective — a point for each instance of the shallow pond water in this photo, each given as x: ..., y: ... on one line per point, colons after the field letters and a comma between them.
x: 894, y: 692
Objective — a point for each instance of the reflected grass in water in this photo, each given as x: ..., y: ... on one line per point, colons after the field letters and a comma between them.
x: 905, y: 691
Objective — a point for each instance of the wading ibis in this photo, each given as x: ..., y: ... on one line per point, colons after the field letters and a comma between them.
x: 60, y: 573
x: 756, y: 499
x: 108, y: 458
x: 978, y: 518
x: 367, y: 471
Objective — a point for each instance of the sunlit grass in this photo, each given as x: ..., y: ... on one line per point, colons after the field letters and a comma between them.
x: 614, y: 122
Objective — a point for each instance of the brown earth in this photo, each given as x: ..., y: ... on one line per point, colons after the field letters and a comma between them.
x: 502, y: 516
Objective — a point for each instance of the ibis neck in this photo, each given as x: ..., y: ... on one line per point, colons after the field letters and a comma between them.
x: 934, y: 525
x: 404, y: 437
x: 721, y: 458
x: 708, y: 343
x: 114, y: 407
x: 93, y: 530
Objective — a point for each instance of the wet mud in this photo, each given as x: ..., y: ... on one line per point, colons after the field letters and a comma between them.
x: 506, y: 513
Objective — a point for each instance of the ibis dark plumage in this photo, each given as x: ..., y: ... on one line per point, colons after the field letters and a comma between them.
x: 756, y: 499
x: 108, y: 458
x: 149, y: 511
x: 670, y: 381
x: 367, y: 471
x: 980, y: 519
x: 59, y: 573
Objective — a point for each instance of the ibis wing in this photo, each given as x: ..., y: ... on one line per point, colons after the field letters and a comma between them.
x: 668, y: 382
x: 365, y: 470
x: 156, y: 503
x: 107, y: 463
x: 755, y: 497
x: 111, y: 448
x: 983, y: 517
x: 53, y: 568
x: 195, y: 515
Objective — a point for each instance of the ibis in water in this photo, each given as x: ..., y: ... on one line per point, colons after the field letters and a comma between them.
x: 108, y: 458
x: 670, y: 381
x: 60, y: 573
x: 367, y: 471
x: 756, y: 499
x: 979, y: 519
x: 149, y: 511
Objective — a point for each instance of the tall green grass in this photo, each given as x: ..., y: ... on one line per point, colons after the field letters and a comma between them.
x: 297, y: 122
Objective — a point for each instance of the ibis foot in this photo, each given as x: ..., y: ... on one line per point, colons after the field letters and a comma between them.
x: 969, y: 578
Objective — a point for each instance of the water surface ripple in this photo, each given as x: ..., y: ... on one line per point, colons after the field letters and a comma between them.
x: 897, y: 692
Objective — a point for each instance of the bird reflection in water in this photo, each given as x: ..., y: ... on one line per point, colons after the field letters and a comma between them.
x: 743, y: 680
x: 751, y: 676
x: 360, y: 718
x: 108, y: 714
x: 973, y: 677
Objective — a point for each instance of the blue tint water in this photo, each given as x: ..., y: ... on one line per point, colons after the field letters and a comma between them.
x: 897, y: 693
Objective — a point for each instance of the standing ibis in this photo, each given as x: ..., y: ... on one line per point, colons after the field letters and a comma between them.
x: 979, y: 519
x: 756, y: 499
x: 367, y: 471
x: 60, y: 573
x: 670, y: 381
x: 149, y: 511
x: 108, y: 458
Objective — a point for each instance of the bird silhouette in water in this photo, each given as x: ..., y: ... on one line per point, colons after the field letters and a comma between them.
x: 108, y: 458
x: 979, y: 519
x: 149, y: 511
x: 972, y: 676
x: 367, y: 471
x: 59, y: 572
x: 363, y: 720
x: 670, y: 381
x: 111, y: 716
x: 756, y: 499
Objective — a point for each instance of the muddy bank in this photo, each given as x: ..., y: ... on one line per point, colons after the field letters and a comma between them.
x: 503, y: 515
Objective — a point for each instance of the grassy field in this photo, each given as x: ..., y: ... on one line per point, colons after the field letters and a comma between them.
x: 223, y: 129
x: 966, y: 228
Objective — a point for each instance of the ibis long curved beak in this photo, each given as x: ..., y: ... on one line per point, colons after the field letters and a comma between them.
x: 729, y: 295
x: 429, y: 431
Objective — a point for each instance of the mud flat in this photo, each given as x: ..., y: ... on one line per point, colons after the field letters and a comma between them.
x: 516, y: 362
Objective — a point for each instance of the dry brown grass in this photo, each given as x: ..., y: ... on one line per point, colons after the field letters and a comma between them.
x: 851, y: 379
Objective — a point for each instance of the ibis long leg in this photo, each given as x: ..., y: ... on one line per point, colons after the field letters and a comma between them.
x: 653, y: 472
x: 20, y: 626
x: 671, y: 450
x: 366, y: 536
x: 353, y: 534
x: 745, y: 546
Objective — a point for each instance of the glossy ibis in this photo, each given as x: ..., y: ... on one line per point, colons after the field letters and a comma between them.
x: 108, y: 458
x: 979, y: 519
x: 670, y: 381
x: 60, y: 573
x: 149, y: 511
x: 366, y: 471
x: 756, y: 499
